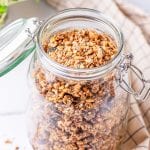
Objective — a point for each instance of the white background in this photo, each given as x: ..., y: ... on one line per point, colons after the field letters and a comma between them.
x: 14, y: 90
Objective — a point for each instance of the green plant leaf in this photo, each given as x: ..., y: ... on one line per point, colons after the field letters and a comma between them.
x: 4, y: 4
x: 3, y: 9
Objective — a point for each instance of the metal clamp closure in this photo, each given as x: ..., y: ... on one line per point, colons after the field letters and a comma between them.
x: 125, y: 66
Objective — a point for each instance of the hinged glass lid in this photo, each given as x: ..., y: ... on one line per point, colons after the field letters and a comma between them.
x: 15, y: 43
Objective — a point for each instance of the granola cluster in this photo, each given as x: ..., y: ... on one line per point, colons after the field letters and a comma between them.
x: 78, y: 115
x: 80, y: 48
x: 80, y: 94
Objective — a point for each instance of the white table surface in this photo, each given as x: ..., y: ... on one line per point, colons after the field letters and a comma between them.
x: 14, y: 91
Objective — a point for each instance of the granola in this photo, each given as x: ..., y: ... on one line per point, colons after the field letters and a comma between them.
x: 80, y: 48
x: 78, y: 115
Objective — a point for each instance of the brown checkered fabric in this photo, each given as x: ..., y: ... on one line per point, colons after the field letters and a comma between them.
x: 136, y: 29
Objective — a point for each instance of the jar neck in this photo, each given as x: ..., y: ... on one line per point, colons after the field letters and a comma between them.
x: 79, y: 18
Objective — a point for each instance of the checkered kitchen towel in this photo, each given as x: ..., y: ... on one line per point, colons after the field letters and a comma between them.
x: 136, y: 29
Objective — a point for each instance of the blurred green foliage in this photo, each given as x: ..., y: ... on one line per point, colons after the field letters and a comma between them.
x: 4, y: 4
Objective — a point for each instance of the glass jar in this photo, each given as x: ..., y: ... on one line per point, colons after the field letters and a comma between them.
x: 91, y: 105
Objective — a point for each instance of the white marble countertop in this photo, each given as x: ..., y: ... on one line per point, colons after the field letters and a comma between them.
x: 14, y: 91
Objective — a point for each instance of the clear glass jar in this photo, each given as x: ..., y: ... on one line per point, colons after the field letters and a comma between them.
x: 95, y: 105
x: 95, y: 108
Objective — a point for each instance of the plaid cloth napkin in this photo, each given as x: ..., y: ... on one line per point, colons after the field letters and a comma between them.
x: 135, y: 25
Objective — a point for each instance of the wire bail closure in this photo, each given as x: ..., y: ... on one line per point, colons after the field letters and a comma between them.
x: 125, y: 66
x: 31, y: 35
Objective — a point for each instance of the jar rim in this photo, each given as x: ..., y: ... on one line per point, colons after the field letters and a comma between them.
x: 65, y: 71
